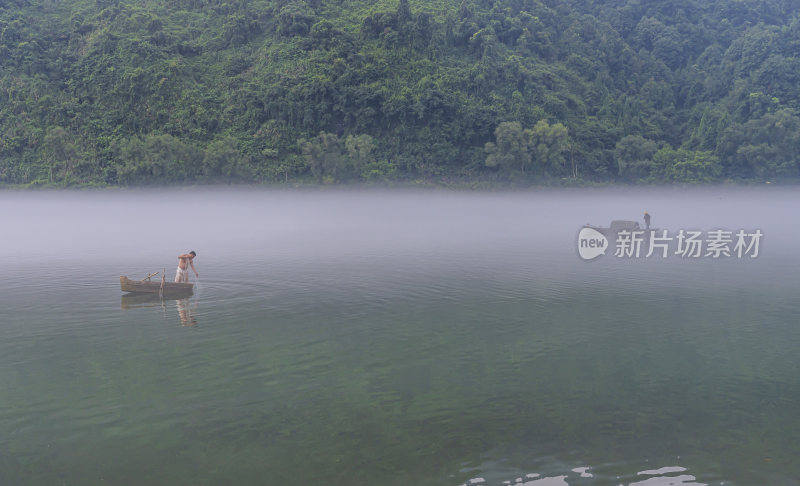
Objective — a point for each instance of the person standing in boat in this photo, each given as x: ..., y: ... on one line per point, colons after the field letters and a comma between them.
x: 184, y: 262
x: 646, y: 221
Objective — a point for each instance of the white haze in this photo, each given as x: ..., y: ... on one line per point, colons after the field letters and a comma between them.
x: 121, y: 227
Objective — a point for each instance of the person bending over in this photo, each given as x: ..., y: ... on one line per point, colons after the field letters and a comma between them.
x: 184, y: 262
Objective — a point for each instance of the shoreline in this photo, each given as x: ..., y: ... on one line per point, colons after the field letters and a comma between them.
x: 456, y: 185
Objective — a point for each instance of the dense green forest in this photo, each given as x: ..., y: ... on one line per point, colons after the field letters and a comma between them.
x: 126, y: 92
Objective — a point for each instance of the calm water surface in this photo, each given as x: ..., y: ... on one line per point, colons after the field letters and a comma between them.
x: 393, y: 339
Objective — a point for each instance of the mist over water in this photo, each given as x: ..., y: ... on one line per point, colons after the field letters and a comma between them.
x: 395, y: 337
x: 239, y: 225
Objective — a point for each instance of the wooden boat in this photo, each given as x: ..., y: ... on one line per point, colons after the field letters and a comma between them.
x: 147, y: 286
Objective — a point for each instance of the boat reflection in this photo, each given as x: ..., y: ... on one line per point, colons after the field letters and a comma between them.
x: 186, y: 308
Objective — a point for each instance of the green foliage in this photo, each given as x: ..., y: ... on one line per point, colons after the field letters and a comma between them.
x: 324, y: 156
x: 685, y: 166
x: 548, y: 145
x: 157, y: 157
x: 515, y: 149
x: 122, y: 92
x: 634, y: 154
x: 294, y: 19
x: 359, y: 151
x: 510, y: 150
x: 763, y: 148
x: 224, y: 161
x: 694, y: 167
x: 331, y: 159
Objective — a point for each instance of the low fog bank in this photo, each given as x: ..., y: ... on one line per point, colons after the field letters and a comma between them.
x: 258, y: 224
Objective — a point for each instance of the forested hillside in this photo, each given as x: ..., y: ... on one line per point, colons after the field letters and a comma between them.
x: 339, y: 91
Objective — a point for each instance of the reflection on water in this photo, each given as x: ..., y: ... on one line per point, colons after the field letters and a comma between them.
x: 667, y: 476
x: 664, y: 476
x: 186, y: 306
x: 186, y: 312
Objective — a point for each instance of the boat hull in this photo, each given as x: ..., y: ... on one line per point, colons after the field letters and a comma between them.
x: 150, y: 287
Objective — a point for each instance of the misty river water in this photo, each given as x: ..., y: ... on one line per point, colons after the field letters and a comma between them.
x: 395, y: 338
